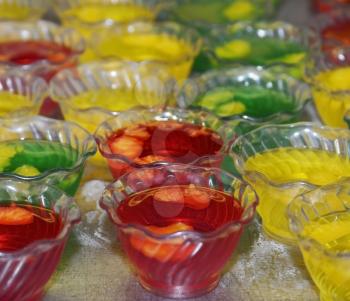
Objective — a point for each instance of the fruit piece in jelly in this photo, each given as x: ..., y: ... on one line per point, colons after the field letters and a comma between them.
x: 191, y: 197
x: 14, y: 216
x: 137, y: 132
x: 127, y: 146
x: 27, y: 170
x: 152, y: 158
x: 163, y: 251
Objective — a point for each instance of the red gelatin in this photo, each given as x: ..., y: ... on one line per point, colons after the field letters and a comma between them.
x: 178, y: 266
x: 322, y: 6
x: 167, y: 141
x: 21, y: 225
x: 339, y: 32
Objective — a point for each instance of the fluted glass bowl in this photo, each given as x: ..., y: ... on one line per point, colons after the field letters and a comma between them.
x: 321, y: 221
x: 92, y: 93
x: 205, y: 13
x: 25, y: 272
x: 247, y: 96
x: 171, y: 44
x: 23, y: 10
x: 26, y: 56
x: 39, y: 149
x: 266, y: 44
x: 21, y: 95
x: 92, y: 16
x: 328, y: 74
x: 194, y: 260
x: 172, y: 141
x: 282, y: 161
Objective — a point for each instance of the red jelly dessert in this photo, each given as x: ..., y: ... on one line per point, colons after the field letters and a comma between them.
x: 338, y: 32
x: 21, y: 225
x: 164, y: 211
x: 327, y: 5
x: 156, y: 141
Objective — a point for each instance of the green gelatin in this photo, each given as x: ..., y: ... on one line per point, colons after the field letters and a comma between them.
x: 31, y: 158
x: 252, y: 101
x: 252, y: 51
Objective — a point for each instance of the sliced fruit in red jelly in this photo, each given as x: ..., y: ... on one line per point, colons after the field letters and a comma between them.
x: 163, y: 251
x: 196, y: 198
x: 171, y: 194
x: 14, y: 216
x: 137, y: 132
x: 127, y: 146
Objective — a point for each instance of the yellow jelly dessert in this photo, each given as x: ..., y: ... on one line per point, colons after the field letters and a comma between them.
x: 285, y: 171
x: 15, y: 105
x: 177, y: 54
x: 27, y: 170
x: 331, y: 95
x: 11, y: 11
x: 330, y: 273
x: 240, y: 10
x: 91, y: 18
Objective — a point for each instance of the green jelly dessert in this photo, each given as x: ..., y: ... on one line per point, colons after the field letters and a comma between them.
x: 259, y: 44
x: 50, y: 161
x: 252, y: 101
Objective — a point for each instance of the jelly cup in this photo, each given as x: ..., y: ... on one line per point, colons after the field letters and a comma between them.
x: 93, y: 16
x: 205, y: 13
x: 196, y: 263
x: 44, y: 150
x: 68, y: 42
x: 120, y: 164
x: 23, y: 10
x: 91, y: 93
x: 320, y: 220
x: 171, y: 44
x: 25, y: 272
x: 228, y: 93
x: 266, y: 44
x: 21, y: 95
x: 313, y: 156
x: 327, y: 73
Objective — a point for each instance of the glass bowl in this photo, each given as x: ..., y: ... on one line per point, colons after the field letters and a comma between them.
x: 320, y: 220
x: 25, y: 271
x: 327, y: 74
x: 265, y: 44
x: 21, y: 94
x: 92, y: 93
x: 181, y: 263
x: 205, y: 13
x: 145, y: 137
x: 247, y: 96
x: 23, y: 10
x: 167, y: 43
x: 44, y: 150
x: 282, y: 161
x: 92, y: 16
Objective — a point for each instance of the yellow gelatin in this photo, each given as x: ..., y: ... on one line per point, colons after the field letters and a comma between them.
x: 121, y: 12
x: 240, y: 10
x: 27, y: 170
x: 235, y: 49
x: 176, y: 53
x: 14, y: 12
x: 330, y: 273
x: 15, y: 105
x: 89, y: 19
x: 285, y: 165
x: 330, y: 106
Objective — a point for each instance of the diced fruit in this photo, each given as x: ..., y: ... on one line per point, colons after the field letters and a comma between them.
x: 163, y: 251
x: 127, y: 146
x: 137, y: 132
x: 168, y: 125
x: 211, y: 99
x: 196, y: 198
x: 174, y: 195
x: 27, y: 170
x: 235, y: 49
x: 14, y: 216
x: 152, y: 158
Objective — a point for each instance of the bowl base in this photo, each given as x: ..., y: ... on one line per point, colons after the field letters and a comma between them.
x: 284, y: 240
x: 179, y: 291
